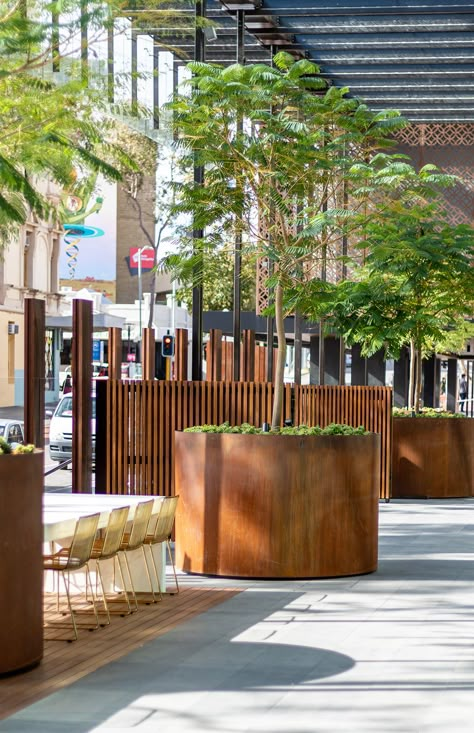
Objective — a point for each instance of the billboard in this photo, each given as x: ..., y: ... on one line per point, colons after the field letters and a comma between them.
x: 89, y: 245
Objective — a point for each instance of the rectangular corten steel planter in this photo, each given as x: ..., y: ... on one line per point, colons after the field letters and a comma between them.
x: 21, y: 561
x: 269, y: 506
x: 432, y: 458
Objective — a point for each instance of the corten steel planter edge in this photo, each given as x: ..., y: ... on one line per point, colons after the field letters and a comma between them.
x: 432, y: 458
x: 277, y: 506
x: 21, y: 561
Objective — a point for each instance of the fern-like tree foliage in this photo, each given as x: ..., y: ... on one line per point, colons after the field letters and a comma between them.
x: 415, y: 288
x: 49, y: 129
x: 283, y: 178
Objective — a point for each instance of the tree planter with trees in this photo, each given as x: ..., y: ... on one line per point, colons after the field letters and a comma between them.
x: 414, y: 289
x: 282, y: 156
x: 281, y: 179
x: 301, y: 505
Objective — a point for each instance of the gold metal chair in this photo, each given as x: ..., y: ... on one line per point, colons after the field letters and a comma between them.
x: 75, y: 557
x: 162, y: 533
x: 107, y: 547
x: 134, y: 539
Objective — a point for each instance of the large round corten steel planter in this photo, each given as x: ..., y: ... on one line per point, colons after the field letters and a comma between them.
x: 263, y: 506
x: 432, y: 458
x: 21, y: 564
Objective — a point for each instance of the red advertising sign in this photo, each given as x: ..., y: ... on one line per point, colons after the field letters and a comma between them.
x: 130, y: 357
x: 146, y: 258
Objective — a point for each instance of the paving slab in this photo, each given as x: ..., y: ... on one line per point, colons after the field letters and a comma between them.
x: 390, y: 652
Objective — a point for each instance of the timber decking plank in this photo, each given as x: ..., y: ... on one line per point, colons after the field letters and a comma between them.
x: 65, y: 663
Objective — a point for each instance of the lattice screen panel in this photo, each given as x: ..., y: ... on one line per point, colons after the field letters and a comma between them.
x: 451, y: 147
x: 457, y: 134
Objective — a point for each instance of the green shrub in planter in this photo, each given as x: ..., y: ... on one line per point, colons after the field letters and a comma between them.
x: 425, y: 412
x: 6, y: 449
x: 247, y: 429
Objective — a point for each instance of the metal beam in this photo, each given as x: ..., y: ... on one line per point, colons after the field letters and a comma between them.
x: 197, y: 294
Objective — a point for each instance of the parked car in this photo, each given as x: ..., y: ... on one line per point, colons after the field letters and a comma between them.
x: 12, y: 430
x: 60, y: 429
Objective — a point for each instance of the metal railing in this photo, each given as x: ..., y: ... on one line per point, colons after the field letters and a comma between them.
x: 63, y: 464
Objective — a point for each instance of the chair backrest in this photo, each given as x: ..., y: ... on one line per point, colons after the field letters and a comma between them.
x: 84, y: 536
x: 140, y: 524
x: 114, y: 532
x: 165, y: 521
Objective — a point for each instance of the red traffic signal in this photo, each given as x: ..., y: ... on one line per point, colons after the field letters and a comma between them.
x: 167, y: 345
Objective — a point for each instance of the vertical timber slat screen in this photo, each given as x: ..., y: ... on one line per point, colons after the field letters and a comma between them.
x: 139, y: 447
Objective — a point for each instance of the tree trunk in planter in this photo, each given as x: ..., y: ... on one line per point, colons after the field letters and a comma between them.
x: 271, y: 506
x: 21, y: 561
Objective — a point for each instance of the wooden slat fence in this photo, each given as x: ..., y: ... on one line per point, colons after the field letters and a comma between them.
x: 136, y: 422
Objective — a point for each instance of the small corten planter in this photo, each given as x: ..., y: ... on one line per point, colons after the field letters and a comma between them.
x: 21, y: 564
x: 433, y: 458
x: 264, y: 506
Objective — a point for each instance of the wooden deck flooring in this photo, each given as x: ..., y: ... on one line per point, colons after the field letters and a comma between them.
x: 65, y: 663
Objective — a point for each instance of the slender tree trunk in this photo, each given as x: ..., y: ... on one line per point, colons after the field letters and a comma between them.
x: 281, y: 358
x: 151, y: 314
x: 418, y: 380
x: 152, y: 297
x: 411, y: 384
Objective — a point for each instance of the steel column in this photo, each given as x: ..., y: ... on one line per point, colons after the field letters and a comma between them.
x: 114, y: 357
x: 148, y: 353
x: 34, y: 372
x: 197, y: 304
x: 238, y: 236
x: 81, y: 396
x: 181, y: 354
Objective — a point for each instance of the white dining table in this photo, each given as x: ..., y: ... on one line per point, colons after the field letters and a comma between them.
x: 61, y: 512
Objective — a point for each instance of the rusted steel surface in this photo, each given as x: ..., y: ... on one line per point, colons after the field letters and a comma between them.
x: 115, y: 353
x: 214, y: 356
x: 81, y: 364
x: 433, y: 458
x: 21, y: 566
x: 34, y: 372
x: 181, y: 354
x: 277, y: 506
x: 142, y: 418
x: 248, y: 356
x: 148, y: 353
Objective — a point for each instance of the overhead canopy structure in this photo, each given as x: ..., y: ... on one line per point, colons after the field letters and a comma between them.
x: 413, y: 55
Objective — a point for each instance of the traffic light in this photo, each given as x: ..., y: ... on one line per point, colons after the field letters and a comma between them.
x: 167, y: 345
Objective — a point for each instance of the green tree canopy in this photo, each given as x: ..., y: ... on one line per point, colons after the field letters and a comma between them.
x: 415, y: 289
x: 283, y: 177
x: 48, y: 130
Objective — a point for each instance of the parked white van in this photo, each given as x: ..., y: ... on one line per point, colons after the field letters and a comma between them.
x: 60, y: 429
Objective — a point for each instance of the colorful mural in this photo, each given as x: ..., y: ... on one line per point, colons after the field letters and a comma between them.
x: 88, y: 251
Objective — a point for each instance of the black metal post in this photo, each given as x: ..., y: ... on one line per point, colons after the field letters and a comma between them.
x: 134, y: 80
x: 156, y: 88
x: 199, y: 55
x: 238, y: 234
x: 298, y: 347
x: 110, y: 63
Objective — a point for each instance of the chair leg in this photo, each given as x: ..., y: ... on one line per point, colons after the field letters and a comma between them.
x: 89, y: 582
x: 157, y: 575
x: 66, y: 586
x: 150, y: 581
x: 172, y: 564
x: 104, y: 597
x: 126, y: 597
x: 134, y: 595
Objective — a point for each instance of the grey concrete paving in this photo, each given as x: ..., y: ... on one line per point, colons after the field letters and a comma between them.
x: 390, y: 652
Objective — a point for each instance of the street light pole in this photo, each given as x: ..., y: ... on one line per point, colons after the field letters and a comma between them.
x: 140, y: 296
